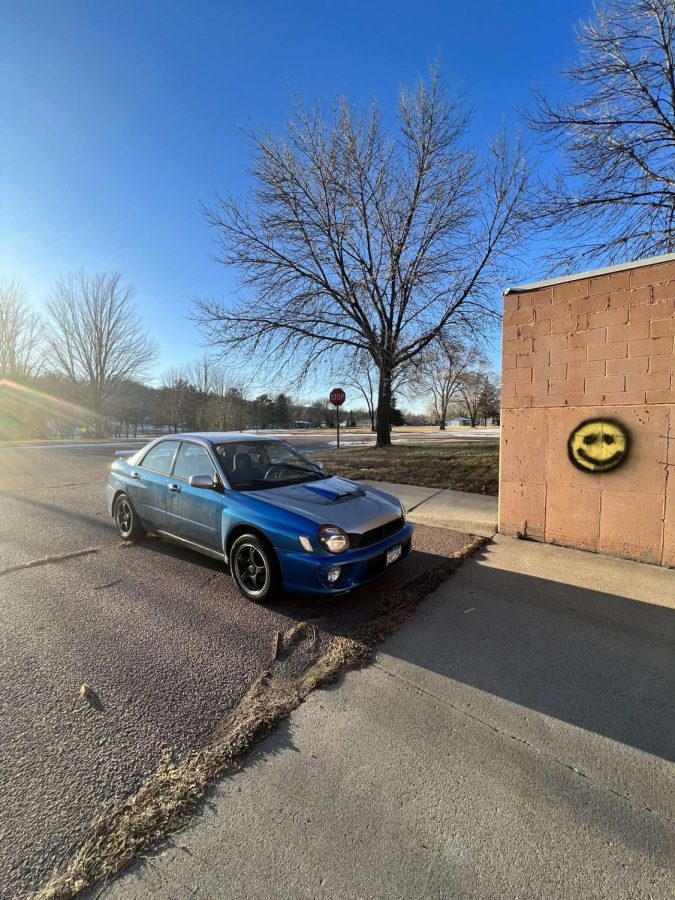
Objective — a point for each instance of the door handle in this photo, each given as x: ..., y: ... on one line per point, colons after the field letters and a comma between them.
x: 136, y: 475
x: 175, y: 488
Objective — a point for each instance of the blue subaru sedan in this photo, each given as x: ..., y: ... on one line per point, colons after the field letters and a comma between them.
x: 276, y: 518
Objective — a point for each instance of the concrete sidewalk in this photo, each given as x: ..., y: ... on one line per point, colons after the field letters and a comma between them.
x: 459, y: 510
x: 513, y: 739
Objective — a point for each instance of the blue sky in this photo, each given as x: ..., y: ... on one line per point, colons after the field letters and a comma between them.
x: 118, y: 119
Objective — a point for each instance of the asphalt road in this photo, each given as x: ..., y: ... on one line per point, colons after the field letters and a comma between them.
x: 159, y: 633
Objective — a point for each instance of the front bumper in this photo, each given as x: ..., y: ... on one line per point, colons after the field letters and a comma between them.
x: 306, y: 573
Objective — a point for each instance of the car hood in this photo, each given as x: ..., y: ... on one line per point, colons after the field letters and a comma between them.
x: 335, y: 501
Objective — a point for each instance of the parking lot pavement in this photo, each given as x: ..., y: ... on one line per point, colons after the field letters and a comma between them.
x: 164, y: 640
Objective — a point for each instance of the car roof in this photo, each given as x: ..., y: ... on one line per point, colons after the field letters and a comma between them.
x: 221, y: 437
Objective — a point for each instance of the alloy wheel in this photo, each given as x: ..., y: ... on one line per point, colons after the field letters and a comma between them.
x: 124, y: 517
x: 252, y: 570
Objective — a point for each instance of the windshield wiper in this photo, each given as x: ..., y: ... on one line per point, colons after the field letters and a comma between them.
x: 317, y: 473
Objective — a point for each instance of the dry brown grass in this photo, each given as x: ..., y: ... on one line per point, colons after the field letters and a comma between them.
x: 129, y: 827
x: 462, y: 466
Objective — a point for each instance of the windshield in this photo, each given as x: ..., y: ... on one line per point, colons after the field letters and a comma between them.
x: 252, y: 465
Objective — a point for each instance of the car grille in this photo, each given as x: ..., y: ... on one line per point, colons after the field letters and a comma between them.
x: 376, y: 534
x: 379, y: 564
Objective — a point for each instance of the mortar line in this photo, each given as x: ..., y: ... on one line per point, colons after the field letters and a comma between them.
x: 514, y: 737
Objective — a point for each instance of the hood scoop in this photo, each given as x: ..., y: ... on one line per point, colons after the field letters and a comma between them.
x: 335, y: 495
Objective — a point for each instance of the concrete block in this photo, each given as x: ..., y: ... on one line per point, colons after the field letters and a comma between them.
x: 550, y: 342
x: 633, y: 331
x: 625, y: 366
x: 536, y: 358
x: 649, y: 312
x: 568, y: 355
x: 617, y: 350
x: 592, y: 336
x: 651, y: 346
x: 593, y: 369
x: 573, y: 516
x: 605, y: 383
x: 610, y: 283
x: 631, y: 525
x: 665, y: 290
x: 571, y: 290
x: 662, y: 327
x: 575, y: 385
x: 522, y: 508
x: 665, y: 363
x: 549, y: 373
x: 523, y: 437
x: 609, y: 317
x: 653, y: 381
x: 569, y: 324
x: 647, y: 275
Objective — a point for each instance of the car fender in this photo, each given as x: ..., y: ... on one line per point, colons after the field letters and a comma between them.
x: 280, y: 526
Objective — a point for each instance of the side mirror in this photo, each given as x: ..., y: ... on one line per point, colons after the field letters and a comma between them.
x: 202, y: 481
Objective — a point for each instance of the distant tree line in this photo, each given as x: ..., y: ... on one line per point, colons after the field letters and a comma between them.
x: 80, y: 369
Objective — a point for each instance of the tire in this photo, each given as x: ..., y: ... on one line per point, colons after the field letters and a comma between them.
x: 126, y: 518
x: 247, y: 553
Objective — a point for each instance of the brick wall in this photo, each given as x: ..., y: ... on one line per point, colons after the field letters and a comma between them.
x: 596, y: 347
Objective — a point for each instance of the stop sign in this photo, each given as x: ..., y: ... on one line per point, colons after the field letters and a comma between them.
x: 337, y: 396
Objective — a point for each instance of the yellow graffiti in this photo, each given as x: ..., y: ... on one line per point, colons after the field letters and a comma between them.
x: 598, y: 445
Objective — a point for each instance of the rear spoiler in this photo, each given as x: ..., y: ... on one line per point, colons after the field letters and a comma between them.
x: 125, y: 454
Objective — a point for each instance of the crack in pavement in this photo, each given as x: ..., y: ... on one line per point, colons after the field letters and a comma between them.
x: 514, y: 737
x: 48, y: 559
x: 49, y: 487
x: 426, y: 500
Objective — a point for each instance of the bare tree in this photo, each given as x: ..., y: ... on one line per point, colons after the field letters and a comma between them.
x: 228, y: 399
x: 614, y: 196
x: 355, y: 240
x: 93, y: 336
x: 178, y: 400
x: 19, y: 333
x: 362, y: 377
x: 473, y: 387
x: 439, y: 371
x: 200, y: 374
x: 490, y: 402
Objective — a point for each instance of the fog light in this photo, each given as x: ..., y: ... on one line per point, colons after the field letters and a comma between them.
x: 333, y: 574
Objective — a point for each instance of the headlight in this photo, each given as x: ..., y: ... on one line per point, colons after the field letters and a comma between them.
x: 333, y: 539
x: 403, y: 513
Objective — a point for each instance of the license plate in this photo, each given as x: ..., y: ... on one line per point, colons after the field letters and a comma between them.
x: 393, y: 554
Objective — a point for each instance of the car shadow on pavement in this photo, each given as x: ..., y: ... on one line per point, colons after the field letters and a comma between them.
x: 340, y: 613
x: 598, y: 661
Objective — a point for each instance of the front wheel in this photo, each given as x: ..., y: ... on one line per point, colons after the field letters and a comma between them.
x: 255, y: 568
x: 126, y: 519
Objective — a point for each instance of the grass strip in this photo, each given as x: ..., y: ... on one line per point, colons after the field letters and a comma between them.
x: 129, y: 827
x: 471, y: 466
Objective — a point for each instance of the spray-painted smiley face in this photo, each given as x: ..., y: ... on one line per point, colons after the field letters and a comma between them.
x: 598, y: 445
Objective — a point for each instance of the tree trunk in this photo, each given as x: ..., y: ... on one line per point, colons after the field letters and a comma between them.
x: 97, y: 409
x: 384, y: 408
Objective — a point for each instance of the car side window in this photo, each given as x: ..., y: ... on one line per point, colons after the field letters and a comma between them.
x: 160, y: 458
x: 193, y: 460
